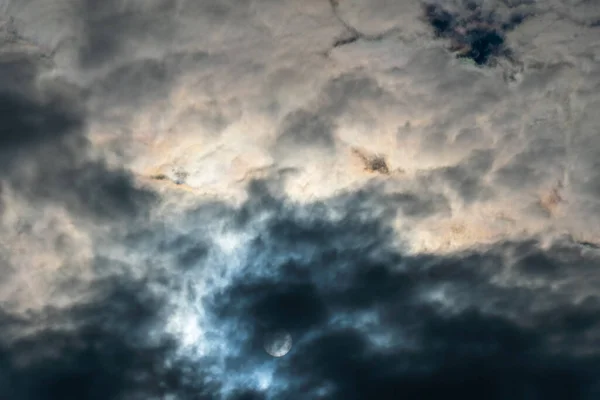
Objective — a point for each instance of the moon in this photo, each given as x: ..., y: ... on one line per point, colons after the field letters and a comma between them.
x: 278, y: 343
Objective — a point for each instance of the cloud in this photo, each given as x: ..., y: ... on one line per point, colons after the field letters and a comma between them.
x: 368, y: 319
x: 98, y: 350
x: 179, y: 178
x: 45, y: 153
x: 127, y: 28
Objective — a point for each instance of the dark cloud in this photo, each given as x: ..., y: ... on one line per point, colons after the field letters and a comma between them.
x: 86, y: 187
x: 295, y: 307
x: 113, y: 27
x: 489, y: 340
x: 352, y: 94
x: 440, y: 19
x: 304, y: 129
x: 46, y: 159
x: 304, y: 133
x: 141, y: 84
x: 475, y: 34
x: 97, y: 350
x: 247, y: 395
x: 27, y: 122
x: 513, y: 320
x: 31, y: 115
x: 44, y: 153
x: 467, y: 179
x: 134, y: 84
x: 117, y: 31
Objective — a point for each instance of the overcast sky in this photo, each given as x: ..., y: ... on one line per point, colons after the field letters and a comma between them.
x: 410, y: 189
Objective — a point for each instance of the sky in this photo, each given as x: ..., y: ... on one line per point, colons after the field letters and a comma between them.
x: 409, y: 188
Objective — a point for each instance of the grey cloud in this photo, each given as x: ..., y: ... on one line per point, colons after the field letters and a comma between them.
x: 214, y: 9
x: 460, y: 96
x: 114, y: 27
x: 115, y: 30
x: 419, y: 205
x: 585, y: 151
x: 518, y: 176
x: 98, y: 351
x: 189, y: 251
x: 87, y: 187
x: 352, y: 94
x: 30, y: 115
x: 134, y: 84
x: 540, y: 76
x: 468, y: 177
x: 45, y: 153
x: 27, y: 122
x: 50, y: 163
x: 495, y: 333
x: 476, y: 30
x: 141, y: 80
x: 306, y: 130
x: 303, y: 133
x: 513, y: 319
x: 370, y: 318
x: 146, y: 83
x: 372, y: 20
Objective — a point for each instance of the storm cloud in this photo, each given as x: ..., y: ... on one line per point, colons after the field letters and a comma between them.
x: 371, y: 321
x: 408, y: 189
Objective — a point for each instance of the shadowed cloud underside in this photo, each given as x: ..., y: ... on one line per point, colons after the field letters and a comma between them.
x: 407, y: 189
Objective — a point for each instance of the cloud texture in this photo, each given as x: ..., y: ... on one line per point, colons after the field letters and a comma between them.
x: 408, y: 188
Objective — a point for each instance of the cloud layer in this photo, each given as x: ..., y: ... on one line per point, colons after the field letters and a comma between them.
x: 408, y: 189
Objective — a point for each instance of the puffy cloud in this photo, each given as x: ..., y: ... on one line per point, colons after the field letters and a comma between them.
x: 180, y: 178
